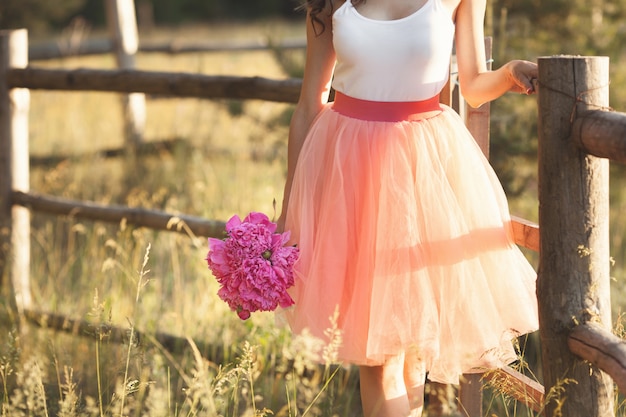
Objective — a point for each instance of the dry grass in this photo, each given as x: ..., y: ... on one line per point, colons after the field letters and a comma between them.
x: 233, y: 162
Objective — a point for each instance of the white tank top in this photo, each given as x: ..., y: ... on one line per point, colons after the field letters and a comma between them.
x: 406, y: 59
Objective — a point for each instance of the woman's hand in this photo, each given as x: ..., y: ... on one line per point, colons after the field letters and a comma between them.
x: 522, y: 76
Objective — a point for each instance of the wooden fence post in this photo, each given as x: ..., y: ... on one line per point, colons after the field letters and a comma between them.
x: 573, y: 279
x: 14, y: 172
x: 123, y: 28
x: 477, y: 121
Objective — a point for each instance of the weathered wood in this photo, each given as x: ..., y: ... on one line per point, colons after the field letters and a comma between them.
x: 59, y: 49
x: 122, y: 25
x: 471, y: 395
x: 478, y: 119
x: 441, y: 399
x: 506, y: 380
x: 451, y: 86
x: 573, y: 277
x: 232, y: 46
x: 525, y: 233
x: 158, y: 83
x: 6, y: 143
x: 14, y: 172
x: 110, y: 333
x: 518, y: 386
x: 595, y: 344
x: 445, y: 96
x: 153, y: 147
x: 139, y: 217
x: 601, y: 133
x: 123, y: 29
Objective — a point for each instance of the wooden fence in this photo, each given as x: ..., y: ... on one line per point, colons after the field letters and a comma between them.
x: 575, y: 124
x: 56, y: 50
x: 577, y: 131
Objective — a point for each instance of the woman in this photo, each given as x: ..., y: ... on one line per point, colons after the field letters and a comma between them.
x: 402, y: 225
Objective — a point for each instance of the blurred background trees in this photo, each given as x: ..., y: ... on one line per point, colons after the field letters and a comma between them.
x: 529, y: 27
x: 43, y: 15
x: 576, y: 26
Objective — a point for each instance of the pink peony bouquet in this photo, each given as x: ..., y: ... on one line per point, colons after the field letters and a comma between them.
x: 253, y: 265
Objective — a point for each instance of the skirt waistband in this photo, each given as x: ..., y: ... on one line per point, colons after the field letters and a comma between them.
x: 384, y: 111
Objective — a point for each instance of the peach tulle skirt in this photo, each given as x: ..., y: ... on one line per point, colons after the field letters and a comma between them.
x: 404, y: 228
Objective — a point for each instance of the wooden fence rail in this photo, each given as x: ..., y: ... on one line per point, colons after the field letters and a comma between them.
x: 157, y: 83
x: 526, y: 233
x: 601, y: 133
x: 56, y: 50
x: 140, y: 217
x: 602, y: 348
x: 120, y: 335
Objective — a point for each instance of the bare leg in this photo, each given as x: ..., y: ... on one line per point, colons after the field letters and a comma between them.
x: 383, y: 393
x: 414, y: 380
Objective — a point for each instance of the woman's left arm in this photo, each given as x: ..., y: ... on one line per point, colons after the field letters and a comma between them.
x: 478, y: 84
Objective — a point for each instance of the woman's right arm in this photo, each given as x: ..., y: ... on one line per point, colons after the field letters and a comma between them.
x: 320, y: 61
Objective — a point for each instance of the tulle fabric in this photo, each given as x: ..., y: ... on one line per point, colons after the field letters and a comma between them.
x: 403, y: 227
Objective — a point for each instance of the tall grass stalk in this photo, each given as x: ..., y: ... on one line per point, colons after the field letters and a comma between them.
x: 325, y: 387
x: 99, y: 378
x: 97, y: 312
x: 5, y: 371
x: 140, y: 284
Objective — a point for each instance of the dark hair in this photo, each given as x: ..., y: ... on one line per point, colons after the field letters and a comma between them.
x: 315, y: 7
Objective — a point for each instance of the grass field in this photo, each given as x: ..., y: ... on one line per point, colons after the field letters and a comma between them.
x: 233, y: 162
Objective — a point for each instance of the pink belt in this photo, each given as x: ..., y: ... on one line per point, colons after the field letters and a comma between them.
x: 384, y: 111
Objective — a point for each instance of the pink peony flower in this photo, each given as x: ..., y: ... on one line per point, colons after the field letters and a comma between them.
x: 253, y: 265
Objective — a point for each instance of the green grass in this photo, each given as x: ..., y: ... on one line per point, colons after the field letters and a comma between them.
x: 233, y: 162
